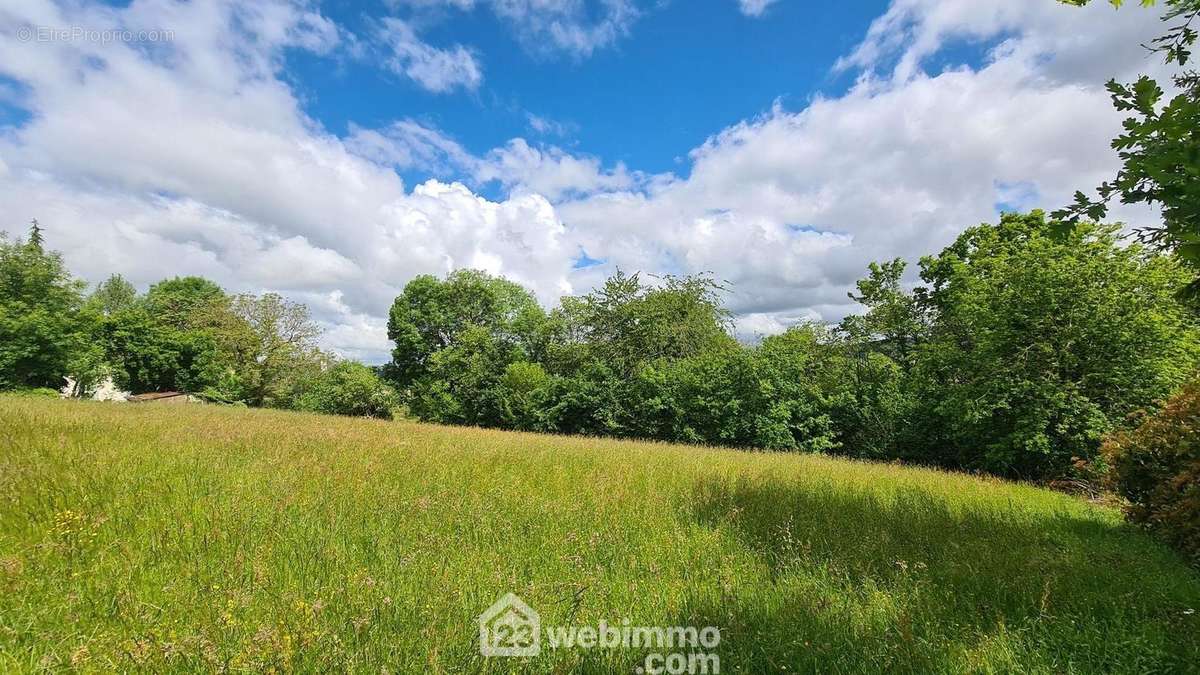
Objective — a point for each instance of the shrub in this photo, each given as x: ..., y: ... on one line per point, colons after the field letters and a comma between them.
x: 349, y: 388
x: 1156, y: 466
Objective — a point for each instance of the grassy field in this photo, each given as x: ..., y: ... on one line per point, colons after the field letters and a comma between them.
x: 197, y: 538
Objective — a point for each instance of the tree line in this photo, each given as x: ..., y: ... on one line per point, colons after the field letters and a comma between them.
x: 1024, y: 346
x: 1025, y: 343
x: 184, y: 334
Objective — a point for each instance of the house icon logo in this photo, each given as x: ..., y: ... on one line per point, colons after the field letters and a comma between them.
x: 510, y: 628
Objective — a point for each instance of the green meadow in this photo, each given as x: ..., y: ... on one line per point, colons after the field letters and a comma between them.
x: 199, y: 538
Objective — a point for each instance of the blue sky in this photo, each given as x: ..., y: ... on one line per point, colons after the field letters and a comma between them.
x: 333, y: 150
x: 685, y: 70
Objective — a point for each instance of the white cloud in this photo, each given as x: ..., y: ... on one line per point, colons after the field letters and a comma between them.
x: 148, y: 238
x: 790, y: 207
x: 517, y: 166
x: 440, y: 227
x: 1087, y: 45
x: 549, y: 171
x: 438, y: 70
x: 753, y: 327
x: 755, y: 7
x: 358, y: 335
x: 408, y: 144
x: 545, y: 126
x: 574, y: 27
x: 194, y: 157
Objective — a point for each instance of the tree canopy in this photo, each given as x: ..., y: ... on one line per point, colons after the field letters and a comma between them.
x: 1039, y: 344
x: 1027, y: 342
x: 40, y: 304
x: 1159, y: 147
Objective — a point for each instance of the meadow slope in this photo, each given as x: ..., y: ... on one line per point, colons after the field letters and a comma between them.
x: 197, y: 538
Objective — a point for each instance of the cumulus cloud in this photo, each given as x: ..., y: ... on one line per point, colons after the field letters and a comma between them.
x: 549, y: 171
x: 753, y: 327
x: 1086, y: 45
x: 409, y: 144
x: 195, y: 157
x: 358, y: 335
x: 790, y: 207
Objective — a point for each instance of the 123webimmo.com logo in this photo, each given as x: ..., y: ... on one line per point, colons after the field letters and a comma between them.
x: 511, y: 628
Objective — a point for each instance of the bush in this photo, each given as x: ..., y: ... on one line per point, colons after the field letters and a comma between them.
x: 349, y: 388
x: 1157, y: 468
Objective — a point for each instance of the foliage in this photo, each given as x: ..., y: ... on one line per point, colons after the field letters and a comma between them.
x: 184, y: 334
x: 462, y: 380
x: 798, y: 370
x: 640, y: 360
x: 1159, y: 149
x: 112, y: 295
x: 174, y: 338
x: 588, y: 400
x: 627, y: 324
x: 184, y: 303
x: 40, y: 324
x: 1039, y: 344
x: 282, y: 542
x: 715, y: 397
x: 88, y: 365
x: 1027, y: 343
x: 431, y: 315
x: 521, y: 390
x: 893, y: 323
x: 1023, y: 348
x: 349, y: 388
x: 149, y: 353
x: 275, y: 351
x: 1157, y: 468
x: 869, y: 404
x: 455, y: 339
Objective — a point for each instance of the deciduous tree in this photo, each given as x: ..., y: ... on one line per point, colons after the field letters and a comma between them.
x: 1040, y: 344
x: 1159, y: 147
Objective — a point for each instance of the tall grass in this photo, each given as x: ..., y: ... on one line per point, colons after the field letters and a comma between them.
x: 198, y: 538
